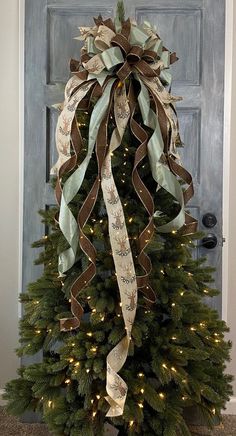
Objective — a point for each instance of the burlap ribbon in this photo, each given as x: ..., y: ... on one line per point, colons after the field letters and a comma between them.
x: 113, y: 57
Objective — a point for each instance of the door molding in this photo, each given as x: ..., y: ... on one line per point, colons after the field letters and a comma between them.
x: 229, y: 28
x: 21, y: 141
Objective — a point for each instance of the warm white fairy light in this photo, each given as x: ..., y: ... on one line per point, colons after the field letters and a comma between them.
x: 93, y: 349
x: 161, y: 395
x: 77, y: 364
x: 164, y: 365
x: 131, y: 423
x: 173, y: 304
x: 38, y: 332
x: 89, y: 334
x: 94, y: 414
x: 71, y: 360
x: 173, y: 369
x: 140, y: 405
x: 140, y: 374
x: 142, y: 391
x: 49, y: 403
x: 67, y: 381
x: 98, y: 397
x: 87, y: 370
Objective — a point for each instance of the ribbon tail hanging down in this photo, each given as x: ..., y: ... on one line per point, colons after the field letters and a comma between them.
x: 160, y: 172
x: 122, y: 256
x: 165, y: 175
x: 86, y: 245
x: 67, y: 221
x: 147, y: 201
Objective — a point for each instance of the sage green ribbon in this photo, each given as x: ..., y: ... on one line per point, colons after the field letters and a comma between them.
x: 67, y: 221
x: 161, y: 173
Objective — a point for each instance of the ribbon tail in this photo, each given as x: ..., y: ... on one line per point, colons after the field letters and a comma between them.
x: 122, y: 256
x: 67, y: 221
x: 160, y: 172
x: 85, y: 244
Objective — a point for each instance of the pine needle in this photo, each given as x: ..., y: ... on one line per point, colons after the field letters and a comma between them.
x: 120, y: 11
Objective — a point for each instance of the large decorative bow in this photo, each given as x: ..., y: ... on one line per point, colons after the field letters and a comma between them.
x: 113, y: 53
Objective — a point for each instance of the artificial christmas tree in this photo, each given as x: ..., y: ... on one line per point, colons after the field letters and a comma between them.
x: 119, y: 311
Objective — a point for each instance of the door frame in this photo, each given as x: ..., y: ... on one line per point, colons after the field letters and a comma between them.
x: 231, y: 407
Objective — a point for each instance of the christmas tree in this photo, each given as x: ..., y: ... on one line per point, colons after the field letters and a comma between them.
x: 111, y: 355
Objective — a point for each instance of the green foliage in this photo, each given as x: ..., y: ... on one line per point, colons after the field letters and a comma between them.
x: 120, y: 11
x: 178, y: 351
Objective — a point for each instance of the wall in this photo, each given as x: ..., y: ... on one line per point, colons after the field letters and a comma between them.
x: 9, y: 188
x: 9, y: 194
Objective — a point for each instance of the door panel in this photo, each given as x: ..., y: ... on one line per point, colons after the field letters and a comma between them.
x: 192, y: 28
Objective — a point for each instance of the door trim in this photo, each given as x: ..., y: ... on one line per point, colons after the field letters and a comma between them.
x: 21, y: 141
x: 229, y: 29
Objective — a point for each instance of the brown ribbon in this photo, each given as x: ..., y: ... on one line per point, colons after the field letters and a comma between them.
x: 191, y: 223
x: 84, y: 213
x: 146, y: 198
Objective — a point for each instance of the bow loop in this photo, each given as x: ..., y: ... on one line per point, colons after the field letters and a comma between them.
x: 135, y: 54
x: 122, y: 42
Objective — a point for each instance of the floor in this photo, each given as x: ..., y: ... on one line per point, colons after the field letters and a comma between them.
x: 10, y: 426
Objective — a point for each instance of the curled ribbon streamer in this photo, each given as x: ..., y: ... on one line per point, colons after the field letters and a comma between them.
x: 146, y: 199
x: 83, y: 216
x: 164, y: 175
x: 67, y: 222
x: 123, y: 260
